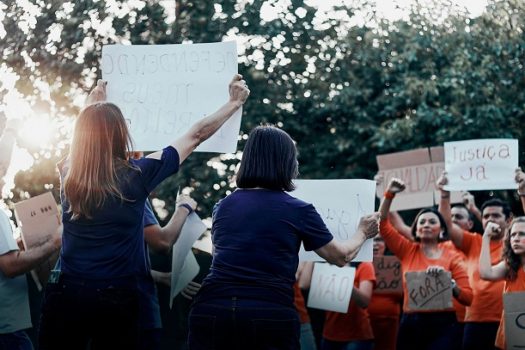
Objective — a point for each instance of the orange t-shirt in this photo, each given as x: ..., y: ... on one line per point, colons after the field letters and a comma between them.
x: 487, y: 303
x: 461, y: 309
x: 355, y: 324
x: 413, y: 259
x: 298, y: 301
x: 517, y: 285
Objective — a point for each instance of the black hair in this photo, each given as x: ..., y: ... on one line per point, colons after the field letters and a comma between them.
x: 471, y: 216
x: 442, y: 223
x: 269, y: 160
x: 496, y: 202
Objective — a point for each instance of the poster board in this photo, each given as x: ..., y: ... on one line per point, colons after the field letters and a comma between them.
x: 428, y: 292
x: 331, y: 287
x: 389, y: 279
x: 514, y: 306
x: 484, y: 164
x: 341, y: 204
x: 164, y: 89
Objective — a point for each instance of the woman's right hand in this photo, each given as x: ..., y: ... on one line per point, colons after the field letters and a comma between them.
x: 369, y: 225
x: 239, y: 91
x: 395, y: 186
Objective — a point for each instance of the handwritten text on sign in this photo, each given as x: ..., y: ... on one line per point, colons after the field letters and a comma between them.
x: 388, y: 274
x: 487, y: 164
x: 163, y: 89
x: 429, y: 292
x: 331, y: 287
x: 341, y: 203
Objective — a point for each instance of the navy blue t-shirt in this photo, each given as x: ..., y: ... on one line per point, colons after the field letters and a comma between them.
x: 111, y: 244
x: 256, y: 235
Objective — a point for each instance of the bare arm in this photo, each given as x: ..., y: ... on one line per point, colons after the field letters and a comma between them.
x: 487, y: 271
x: 455, y: 232
x: 520, y: 180
x: 340, y: 253
x: 399, y: 224
x: 363, y: 294
x: 470, y: 203
x: 161, y: 239
x: 204, y: 128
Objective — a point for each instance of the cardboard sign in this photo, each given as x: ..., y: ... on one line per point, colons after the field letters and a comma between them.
x: 341, y: 203
x: 389, y: 279
x: 164, y: 89
x: 419, y: 169
x: 486, y: 164
x: 38, y: 218
x: 514, y: 306
x: 192, y: 229
x: 331, y: 287
x: 428, y: 292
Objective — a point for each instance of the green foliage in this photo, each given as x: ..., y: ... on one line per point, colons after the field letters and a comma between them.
x: 344, y: 93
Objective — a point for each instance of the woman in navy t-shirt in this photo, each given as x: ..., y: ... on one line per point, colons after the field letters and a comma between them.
x: 103, y: 193
x: 246, y: 301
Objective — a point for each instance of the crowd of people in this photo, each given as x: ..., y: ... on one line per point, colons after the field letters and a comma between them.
x: 102, y: 292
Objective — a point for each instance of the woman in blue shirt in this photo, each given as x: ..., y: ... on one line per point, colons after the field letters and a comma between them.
x: 246, y: 301
x: 103, y: 194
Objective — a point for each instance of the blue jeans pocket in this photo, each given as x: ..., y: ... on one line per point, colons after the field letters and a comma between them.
x: 202, y: 332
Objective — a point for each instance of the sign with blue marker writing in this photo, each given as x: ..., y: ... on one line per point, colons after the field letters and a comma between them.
x: 331, y: 287
x: 341, y: 203
x: 163, y: 89
x: 486, y: 164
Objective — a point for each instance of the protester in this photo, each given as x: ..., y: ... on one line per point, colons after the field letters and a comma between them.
x: 306, y: 338
x: 15, y: 262
x: 103, y: 196
x: 424, y: 329
x: 247, y: 299
x: 352, y: 330
x: 482, y: 317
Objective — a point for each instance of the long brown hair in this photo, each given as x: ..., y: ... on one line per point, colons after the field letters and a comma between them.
x: 513, y: 261
x: 100, y: 145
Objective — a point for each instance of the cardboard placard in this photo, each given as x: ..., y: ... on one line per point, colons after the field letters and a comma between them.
x: 429, y: 292
x: 341, y: 203
x: 389, y: 279
x: 331, y: 287
x: 514, y: 306
x: 485, y: 164
x: 419, y: 169
x: 164, y: 89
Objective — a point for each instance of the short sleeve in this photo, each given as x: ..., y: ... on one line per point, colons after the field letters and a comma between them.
x: 7, y: 242
x: 366, y: 272
x: 149, y: 216
x: 314, y: 232
x: 467, y: 242
x: 154, y: 171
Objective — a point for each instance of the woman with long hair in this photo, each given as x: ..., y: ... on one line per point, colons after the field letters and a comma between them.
x: 424, y: 329
x: 103, y: 192
x: 246, y: 301
x: 511, y: 268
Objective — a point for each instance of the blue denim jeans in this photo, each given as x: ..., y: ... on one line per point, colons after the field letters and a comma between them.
x: 18, y: 340
x: 426, y: 331
x: 480, y: 335
x: 78, y: 312
x: 230, y: 324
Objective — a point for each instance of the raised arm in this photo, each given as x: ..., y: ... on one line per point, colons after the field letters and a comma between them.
x: 520, y: 180
x: 470, y: 203
x: 6, y: 145
x: 487, y: 271
x: 455, y: 232
x: 399, y: 224
x: 161, y: 239
x: 340, y: 253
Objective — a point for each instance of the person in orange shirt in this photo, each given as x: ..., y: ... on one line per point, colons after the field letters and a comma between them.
x: 384, y: 310
x: 352, y: 331
x: 511, y: 269
x: 306, y: 339
x: 430, y: 329
x: 483, y: 316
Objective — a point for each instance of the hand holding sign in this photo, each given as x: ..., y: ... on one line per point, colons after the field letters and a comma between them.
x: 98, y: 94
x: 369, y: 225
x: 239, y: 91
x: 519, y: 176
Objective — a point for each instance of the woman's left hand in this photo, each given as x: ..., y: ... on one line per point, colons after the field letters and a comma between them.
x: 435, y: 270
x: 98, y: 94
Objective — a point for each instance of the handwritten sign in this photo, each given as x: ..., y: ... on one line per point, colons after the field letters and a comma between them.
x: 341, y: 203
x: 419, y: 169
x: 429, y: 292
x: 331, y: 287
x: 514, y: 306
x: 38, y: 218
x: 192, y: 229
x: 164, y: 89
x: 388, y: 274
x: 486, y: 164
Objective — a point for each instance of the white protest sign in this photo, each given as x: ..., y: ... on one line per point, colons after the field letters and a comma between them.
x: 204, y: 244
x: 331, y: 287
x: 485, y: 164
x: 419, y: 169
x: 514, y: 306
x: 429, y: 292
x: 341, y: 203
x: 190, y: 269
x: 192, y: 229
x: 164, y: 89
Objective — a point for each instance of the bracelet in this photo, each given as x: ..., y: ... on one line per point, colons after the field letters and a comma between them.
x: 445, y: 197
x: 521, y: 194
x: 389, y: 195
x: 187, y: 206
